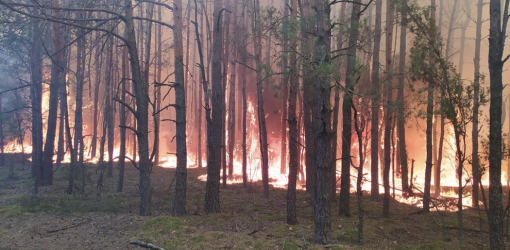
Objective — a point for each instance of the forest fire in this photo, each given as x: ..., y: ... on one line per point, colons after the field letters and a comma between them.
x: 275, y: 95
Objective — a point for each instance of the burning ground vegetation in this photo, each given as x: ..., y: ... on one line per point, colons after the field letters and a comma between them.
x: 101, y: 218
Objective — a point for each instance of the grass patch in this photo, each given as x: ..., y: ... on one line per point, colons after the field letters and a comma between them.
x: 59, y: 205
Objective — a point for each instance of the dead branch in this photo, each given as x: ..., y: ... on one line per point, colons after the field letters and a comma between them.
x: 68, y: 227
x: 146, y: 245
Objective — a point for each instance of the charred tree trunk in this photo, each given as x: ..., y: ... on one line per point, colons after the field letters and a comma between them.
x: 376, y: 100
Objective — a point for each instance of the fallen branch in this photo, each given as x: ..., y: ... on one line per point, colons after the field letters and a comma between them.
x: 146, y: 245
x: 69, y: 227
x: 467, y: 229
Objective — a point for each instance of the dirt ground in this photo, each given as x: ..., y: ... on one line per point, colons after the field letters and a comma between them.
x: 85, y: 220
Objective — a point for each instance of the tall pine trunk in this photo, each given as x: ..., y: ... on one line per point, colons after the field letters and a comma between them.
x: 401, y: 119
x: 212, y: 193
x: 293, y: 122
x: 345, y: 184
x: 180, y: 111
x: 388, y: 113
x: 376, y: 102
x: 36, y: 77
x: 257, y: 33
x: 430, y: 115
x: 496, y: 47
x: 476, y: 93
x: 322, y: 122
x: 57, y: 77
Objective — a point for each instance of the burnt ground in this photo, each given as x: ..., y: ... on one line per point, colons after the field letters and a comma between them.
x: 55, y: 220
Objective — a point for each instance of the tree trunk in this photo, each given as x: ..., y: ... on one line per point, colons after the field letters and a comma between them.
x: 179, y: 207
x: 430, y: 114
x: 36, y: 66
x: 293, y: 122
x: 322, y: 124
x: 388, y: 113
x: 142, y: 114
x: 244, y: 60
x: 98, y: 64
x: 212, y: 193
x: 157, y: 68
x: 57, y: 76
x: 336, y: 109
x: 476, y: 92
x: 376, y: 102
x: 226, y: 50
x: 284, y: 85
x: 496, y: 46
x: 308, y: 99
x: 401, y: 128
x: 345, y: 184
x: 109, y: 109
x: 232, y: 99
x: 257, y: 32
x: 122, y: 122
x: 78, y: 121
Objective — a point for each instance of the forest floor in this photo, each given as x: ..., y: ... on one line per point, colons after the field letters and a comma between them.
x: 55, y: 220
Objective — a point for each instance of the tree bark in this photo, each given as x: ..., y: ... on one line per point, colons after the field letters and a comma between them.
x: 98, y: 64
x: 496, y: 46
x: 232, y: 98
x: 401, y: 129
x: 142, y: 114
x: 257, y: 32
x: 430, y: 115
x: 212, y: 194
x: 292, y: 120
x: 476, y: 92
x: 36, y: 64
x: 388, y: 113
x: 179, y: 207
x: 336, y: 108
x: 122, y: 122
x: 57, y: 76
x: 376, y: 102
x: 308, y: 99
x: 284, y: 85
x: 322, y: 122
x: 345, y: 184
